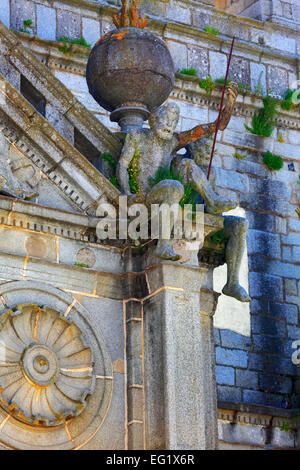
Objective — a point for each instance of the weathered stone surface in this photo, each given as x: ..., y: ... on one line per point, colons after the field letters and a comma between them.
x: 68, y: 24
x: 90, y: 30
x: 46, y: 22
x: 5, y: 12
x: 22, y: 10
x: 198, y: 59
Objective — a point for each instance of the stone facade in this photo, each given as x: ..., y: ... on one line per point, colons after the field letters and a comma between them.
x: 258, y: 384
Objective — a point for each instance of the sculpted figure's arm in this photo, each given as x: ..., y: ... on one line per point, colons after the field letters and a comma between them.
x: 127, y: 155
x: 206, y: 130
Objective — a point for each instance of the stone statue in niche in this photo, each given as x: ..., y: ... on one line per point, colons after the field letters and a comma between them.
x: 18, y: 177
x: 195, y: 170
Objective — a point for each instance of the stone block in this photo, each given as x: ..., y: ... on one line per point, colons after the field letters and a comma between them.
x: 230, y: 394
x: 230, y: 339
x: 259, y: 306
x: 256, y: 361
x: 175, y: 12
x: 237, y: 124
x: 278, y: 268
x: 46, y: 22
x: 225, y: 375
x: 246, y: 379
x: 217, y: 336
x: 267, y: 344
x: 277, y: 81
x: 293, y: 332
x: 291, y: 239
x: 108, y: 314
x: 280, y: 225
x: 275, y: 384
x: 179, y: 54
x: 232, y: 180
x: 249, y: 434
x: 262, y: 222
x: 247, y: 141
x: 287, y: 150
x: 198, y: 59
x: 135, y: 404
x: 68, y: 24
x: 290, y: 286
x: 293, y: 299
x: 294, y: 137
x: 74, y: 82
x: 261, y: 398
x: 5, y: 12
x: 61, y: 124
x: 258, y: 75
x: 240, y: 71
x: 271, y: 188
x: 135, y: 436
x: 245, y: 166
x: 281, y: 365
x: 102, y: 259
x: 217, y: 64
x: 266, y: 326
x: 9, y: 72
x: 111, y: 433
x: 294, y: 225
x: 287, y: 311
x: 228, y: 357
x: 283, y: 42
x: 264, y: 243
x: 283, y: 439
x: 287, y: 253
x: 278, y: 206
x: 296, y: 254
x: 90, y: 30
x: 134, y: 339
x: 22, y: 10
x: 249, y: 201
x: 134, y: 371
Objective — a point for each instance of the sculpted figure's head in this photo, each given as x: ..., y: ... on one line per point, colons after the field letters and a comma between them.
x: 201, y: 151
x: 164, y: 120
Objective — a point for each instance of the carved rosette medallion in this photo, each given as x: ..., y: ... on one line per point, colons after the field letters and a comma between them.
x: 45, y: 366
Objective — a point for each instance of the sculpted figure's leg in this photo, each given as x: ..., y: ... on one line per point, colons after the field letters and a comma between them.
x: 193, y: 174
x: 168, y: 192
x: 235, y: 228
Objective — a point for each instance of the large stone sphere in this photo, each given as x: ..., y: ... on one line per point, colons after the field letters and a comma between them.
x: 130, y: 70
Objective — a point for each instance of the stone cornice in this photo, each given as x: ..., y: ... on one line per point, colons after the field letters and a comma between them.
x: 187, y: 89
x: 266, y: 416
x: 37, y: 140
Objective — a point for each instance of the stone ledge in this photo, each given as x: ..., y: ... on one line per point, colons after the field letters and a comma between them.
x: 186, y: 88
x: 256, y: 414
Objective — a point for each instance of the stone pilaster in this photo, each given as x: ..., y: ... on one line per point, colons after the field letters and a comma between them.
x: 178, y: 359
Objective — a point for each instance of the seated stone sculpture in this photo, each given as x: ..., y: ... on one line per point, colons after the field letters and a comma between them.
x: 194, y: 170
x: 155, y: 147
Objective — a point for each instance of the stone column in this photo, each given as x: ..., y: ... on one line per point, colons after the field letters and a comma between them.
x: 179, y: 358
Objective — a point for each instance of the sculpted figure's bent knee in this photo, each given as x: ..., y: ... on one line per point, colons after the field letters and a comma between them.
x: 155, y: 147
x: 195, y: 170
